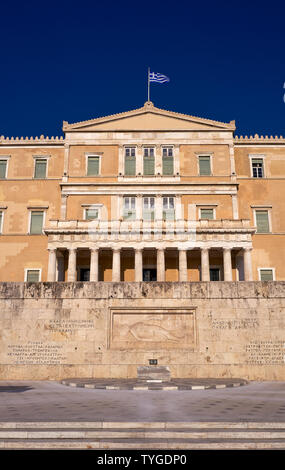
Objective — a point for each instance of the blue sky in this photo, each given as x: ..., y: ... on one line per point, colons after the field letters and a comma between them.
x: 64, y: 61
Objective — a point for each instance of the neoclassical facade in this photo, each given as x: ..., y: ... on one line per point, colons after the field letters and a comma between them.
x: 145, y: 195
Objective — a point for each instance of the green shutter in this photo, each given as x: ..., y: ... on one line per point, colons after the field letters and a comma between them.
x: 204, y: 166
x: 167, y: 165
x: 33, y: 275
x: 40, y: 168
x: 3, y: 165
x: 0, y: 222
x: 91, y: 214
x: 36, y: 222
x: 130, y: 166
x: 148, y: 165
x: 93, y: 166
x: 262, y: 221
x: 148, y: 214
x: 207, y: 214
x: 266, y: 275
x: 168, y: 214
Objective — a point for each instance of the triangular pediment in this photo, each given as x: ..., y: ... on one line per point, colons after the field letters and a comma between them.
x: 148, y: 118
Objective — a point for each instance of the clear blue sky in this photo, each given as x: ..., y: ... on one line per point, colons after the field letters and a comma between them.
x: 77, y: 61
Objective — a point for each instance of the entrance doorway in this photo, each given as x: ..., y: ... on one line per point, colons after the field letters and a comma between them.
x: 84, y: 274
x: 214, y: 274
x: 149, y: 274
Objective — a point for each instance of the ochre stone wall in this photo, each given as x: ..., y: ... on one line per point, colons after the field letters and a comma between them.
x: 51, y: 331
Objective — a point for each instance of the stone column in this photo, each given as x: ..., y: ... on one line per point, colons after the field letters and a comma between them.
x: 51, y: 276
x: 227, y: 264
x: 182, y: 265
x: 205, y: 268
x: 247, y: 264
x: 116, y: 267
x: 71, y: 275
x: 138, y: 264
x: 94, y: 258
x: 160, y: 265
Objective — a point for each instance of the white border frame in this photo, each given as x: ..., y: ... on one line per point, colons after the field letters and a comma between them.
x: 263, y: 208
x: 41, y: 157
x: 40, y: 209
x: 92, y: 206
x: 207, y: 207
x: 205, y: 154
x: 32, y: 269
x: 91, y: 154
x: 2, y: 221
x: 5, y: 158
x: 263, y: 268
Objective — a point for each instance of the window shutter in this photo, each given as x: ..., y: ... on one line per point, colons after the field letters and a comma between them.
x: 40, y: 168
x: 148, y: 165
x: 266, y: 275
x: 93, y: 166
x: 36, y: 222
x: 167, y: 165
x: 168, y: 214
x: 130, y: 166
x: 91, y: 214
x: 207, y: 214
x: 204, y: 166
x: 3, y: 165
x: 1, y: 222
x: 33, y: 275
x: 148, y: 214
x: 262, y: 221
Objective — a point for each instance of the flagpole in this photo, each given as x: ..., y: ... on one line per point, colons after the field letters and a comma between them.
x: 148, y: 97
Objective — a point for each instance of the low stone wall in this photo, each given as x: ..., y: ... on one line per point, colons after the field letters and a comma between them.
x: 204, y: 329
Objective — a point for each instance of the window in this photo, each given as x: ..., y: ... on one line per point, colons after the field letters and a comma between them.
x: 93, y: 162
x: 33, y: 275
x: 167, y: 161
x: 262, y: 221
x: 40, y: 168
x: 148, y: 161
x: 266, y: 274
x: 91, y: 213
x: 257, y: 167
x: 130, y: 161
x: 148, y: 208
x: 214, y: 274
x: 36, y: 223
x: 205, y: 165
x: 1, y: 221
x: 168, y: 208
x: 129, y: 208
x: 3, y: 169
x: 207, y: 214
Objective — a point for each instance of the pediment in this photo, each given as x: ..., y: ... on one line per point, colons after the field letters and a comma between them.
x: 148, y: 118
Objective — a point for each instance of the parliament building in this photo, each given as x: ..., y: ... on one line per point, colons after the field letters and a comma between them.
x: 144, y: 195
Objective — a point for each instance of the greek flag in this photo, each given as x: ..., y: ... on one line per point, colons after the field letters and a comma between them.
x: 158, y: 77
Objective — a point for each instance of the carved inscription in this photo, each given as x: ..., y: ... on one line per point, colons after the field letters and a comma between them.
x: 266, y: 352
x: 36, y: 352
x: 69, y: 326
x: 236, y: 324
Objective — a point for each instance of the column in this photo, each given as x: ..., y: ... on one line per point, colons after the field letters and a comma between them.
x: 176, y: 160
x: 71, y: 275
x: 94, y: 265
x: 227, y: 256
x: 139, y: 160
x: 247, y: 264
x: 160, y: 262
x: 205, y: 268
x: 116, y: 267
x: 51, y: 276
x: 158, y: 160
x: 138, y: 264
x: 182, y: 265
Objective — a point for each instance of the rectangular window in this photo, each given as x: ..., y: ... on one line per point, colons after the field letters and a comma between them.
x: 1, y: 221
x: 130, y: 161
x: 148, y: 208
x: 205, y: 165
x: 36, y: 224
x: 32, y: 275
x: 168, y: 208
x: 266, y: 274
x: 148, y: 161
x: 93, y: 165
x: 262, y: 221
x: 91, y: 213
x: 207, y: 214
x: 3, y: 168
x: 40, y: 168
x: 167, y: 161
x: 257, y: 167
x: 129, y: 208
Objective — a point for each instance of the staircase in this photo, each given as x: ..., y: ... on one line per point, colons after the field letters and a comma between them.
x: 141, y: 435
